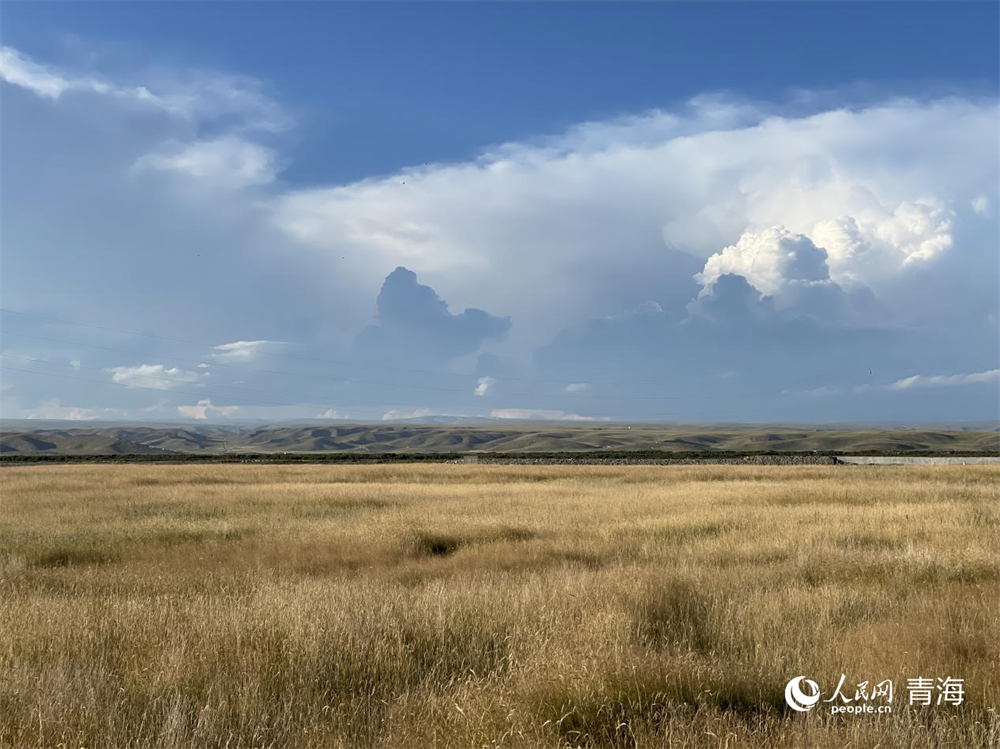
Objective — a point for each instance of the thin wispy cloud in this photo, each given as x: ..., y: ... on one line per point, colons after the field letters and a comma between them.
x: 227, y: 162
x: 245, y: 351
x: 539, y: 414
x: 940, y: 381
x: 20, y: 70
x: 155, y: 376
x: 201, y: 96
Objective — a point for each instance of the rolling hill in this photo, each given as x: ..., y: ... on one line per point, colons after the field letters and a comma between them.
x: 139, y: 439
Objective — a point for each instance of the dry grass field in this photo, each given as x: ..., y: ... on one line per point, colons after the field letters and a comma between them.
x: 468, y: 606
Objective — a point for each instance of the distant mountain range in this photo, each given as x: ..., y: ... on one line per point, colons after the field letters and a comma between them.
x: 43, y: 438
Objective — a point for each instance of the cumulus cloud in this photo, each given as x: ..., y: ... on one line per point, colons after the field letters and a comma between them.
x: 936, y: 381
x: 732, y: 301
x: 591, y: 210
x: 483, y: 385
x: 156, y: 376
x: 230, y: 162
x: 791, y: 275
x: 244, y: 351
x: 874, y: 245
x: 414, y: 323
x: 769, y: 261
x: 576, y: 387
x: 205, y: 408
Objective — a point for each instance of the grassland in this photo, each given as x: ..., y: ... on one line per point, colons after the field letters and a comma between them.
x: 459, y: 606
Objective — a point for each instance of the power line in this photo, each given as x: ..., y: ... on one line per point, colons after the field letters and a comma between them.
x: 358, y: 365
x: 283, y: 356
x: 200, y: 395
x: 378, y: 382
x: 210, y: 395
x: 236, y: 387
x: 232, y: 366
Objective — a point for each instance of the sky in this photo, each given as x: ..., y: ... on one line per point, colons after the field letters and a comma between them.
x: 672, y: 212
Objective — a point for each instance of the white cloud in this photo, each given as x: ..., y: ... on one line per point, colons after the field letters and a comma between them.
x: 187, y: 104
x: 820, y: 392
x: 925, y: 381
x: 576, y: 387
x: 244, y: 351
x: 919, y: 230
x: 195, y: 97
x: 20, y: 70
x: 589, y: 211
x: 330, y: 413
x: 53, y: 409
x: 483, y: 385
x: 769, y: 260
x: 230, y: 162
x: 204, y: 409
x: 540, y: 414
x: 394, y: 413
x: 981, y: 205
x: 649, y: 307
x: 156, y: 376
x: 875, y: 244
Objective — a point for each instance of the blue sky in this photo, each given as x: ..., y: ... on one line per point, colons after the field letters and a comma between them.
x: 630, y: 211
x: 380, y: 86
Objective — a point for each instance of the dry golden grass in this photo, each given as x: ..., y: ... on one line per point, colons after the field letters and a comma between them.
x: 461, y: 606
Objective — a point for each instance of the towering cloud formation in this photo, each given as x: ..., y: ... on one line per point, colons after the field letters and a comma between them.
x: 872, y: 245
x: 790, y: 272
x: 606, y: 214
x: 414, y: 324
x: 770, y: 261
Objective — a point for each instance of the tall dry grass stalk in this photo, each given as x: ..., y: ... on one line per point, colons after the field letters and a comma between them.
x: 460, y: 606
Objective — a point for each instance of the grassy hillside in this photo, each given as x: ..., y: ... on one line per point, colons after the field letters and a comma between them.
x: 517, y: 438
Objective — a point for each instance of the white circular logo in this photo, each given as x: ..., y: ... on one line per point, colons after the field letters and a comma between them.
x: 799, y: 700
